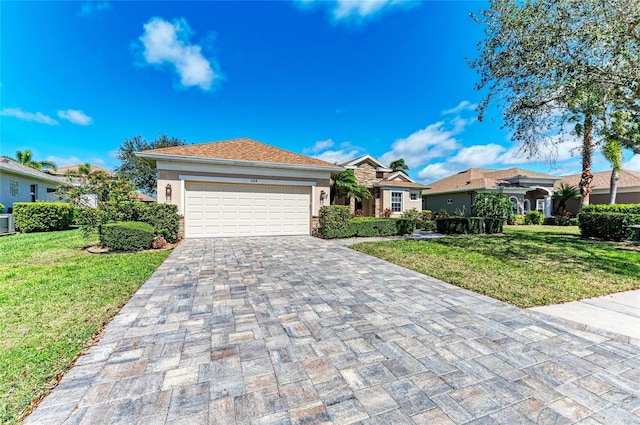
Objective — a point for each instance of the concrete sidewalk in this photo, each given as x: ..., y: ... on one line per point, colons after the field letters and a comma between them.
x: 618, y: 313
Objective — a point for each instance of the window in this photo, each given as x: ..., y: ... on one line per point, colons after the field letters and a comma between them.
x: 13, y: 188
x: 396, y: 201
x: 34, y: 192
x: 413, y: 196
x: 527, y: 206
x: 514, y: 204
x: 449, y: 201
x: 540, y: 205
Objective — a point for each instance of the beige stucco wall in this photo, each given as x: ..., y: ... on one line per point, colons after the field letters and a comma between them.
x: 407, y: 203
x: 172, y: 177
x: 460, y: 201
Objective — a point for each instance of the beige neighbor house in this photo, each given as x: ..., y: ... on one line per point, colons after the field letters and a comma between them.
x: 241, y: 187
x: 527, y: 190
x: 394, y: 191
x: 628, y: 188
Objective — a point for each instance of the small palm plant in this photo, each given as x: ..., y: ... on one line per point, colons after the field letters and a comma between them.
x: 563, y: 194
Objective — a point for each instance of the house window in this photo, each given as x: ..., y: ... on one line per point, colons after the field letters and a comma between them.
x: 413, y: 196
x: 449, y: 201
x: 34, y: 192
x: 13, y: 188
x: 396, y: 201
x: 527, y: 206
x: 514, y: 204
x: 540, y: 204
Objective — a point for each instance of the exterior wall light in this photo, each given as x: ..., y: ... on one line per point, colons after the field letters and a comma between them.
x: 167, y: 192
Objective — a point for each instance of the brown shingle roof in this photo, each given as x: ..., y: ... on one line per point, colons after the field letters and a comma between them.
x: 74, y: 169
x: 601, y: 179
x: 480, y: 178
x: 242, y: 149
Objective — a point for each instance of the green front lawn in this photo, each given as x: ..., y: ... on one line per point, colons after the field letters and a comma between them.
x: 54, y: 297
x: 527, y: 266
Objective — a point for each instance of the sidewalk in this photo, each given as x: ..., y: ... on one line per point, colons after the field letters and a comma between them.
x: 618, y: 313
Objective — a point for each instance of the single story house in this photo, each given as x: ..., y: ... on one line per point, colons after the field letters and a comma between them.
x: 241, y: 187
x: 19, y: 183
x: 527, y: 190
x: 628, y: 188
x: 390, y: 190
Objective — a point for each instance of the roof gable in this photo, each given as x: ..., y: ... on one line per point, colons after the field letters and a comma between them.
x: 398, y: 176
x: 242, y: 149
x: 366, y: 158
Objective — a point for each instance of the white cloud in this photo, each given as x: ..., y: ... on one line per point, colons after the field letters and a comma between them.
x: 75, y: 116
x: 356, y: 11
x: 98, y: 161
x: 433, y: 141
x: 319, y: 146
x: 436, y: 171
x: 633, y: 164
x: 478, y: 156
x: 38, y: 117
x: 465, y: 105
x: 92, y: 7
x: 339, y: 156
x: 167, y: 43
x: 63, y: 162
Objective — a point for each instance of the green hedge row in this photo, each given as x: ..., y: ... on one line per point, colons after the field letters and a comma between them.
x: 607, y: 225
x: 335, y: 222
x: 612, y: 208
x: 127, y: 236
x: 42, y: 216
x: 468, y: 225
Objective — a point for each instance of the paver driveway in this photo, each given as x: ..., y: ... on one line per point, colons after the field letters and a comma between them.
x: 301, y: 330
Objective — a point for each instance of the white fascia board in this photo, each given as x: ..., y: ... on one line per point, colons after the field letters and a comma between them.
x: 398, y: 174
x: 358, y: 160
x: 53, y: 180
x: 605, y: 190
x: 187, y: 167
x: 163, y: 158
x: 245, y: 180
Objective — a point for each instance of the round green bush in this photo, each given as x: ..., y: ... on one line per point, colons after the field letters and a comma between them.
x: 42, y: 216
x: 127, y: 236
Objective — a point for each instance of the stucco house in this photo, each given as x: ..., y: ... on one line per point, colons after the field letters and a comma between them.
x: 527, y: 190
x: 628, y: 188
x: 241, y: 187
x: 390, y: 190
x: 19, y: 183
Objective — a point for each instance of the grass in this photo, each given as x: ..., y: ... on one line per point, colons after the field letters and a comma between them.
x: 526, y: 266
x: 54, y: 297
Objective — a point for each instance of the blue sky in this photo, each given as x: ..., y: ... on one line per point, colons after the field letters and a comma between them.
x: 332, y: 79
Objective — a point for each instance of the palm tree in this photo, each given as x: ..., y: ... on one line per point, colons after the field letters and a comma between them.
x: 565, y: 193
x: 399, y: 165
x: 612, y: 150
x: 25, y: 158
x: 345, y: 184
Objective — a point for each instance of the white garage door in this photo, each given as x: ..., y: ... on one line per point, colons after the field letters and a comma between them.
x: 222, y: 209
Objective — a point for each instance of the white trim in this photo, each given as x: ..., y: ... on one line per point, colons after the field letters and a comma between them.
x: 355, y: 162
x: 390, y: 177
x: 245, y: 180
x: 183, y: 196
x: 236, y: 162
x: 225, y: 169
x: 313, y: 199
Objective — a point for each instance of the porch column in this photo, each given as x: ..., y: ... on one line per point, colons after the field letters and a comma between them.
x: 547, y: 206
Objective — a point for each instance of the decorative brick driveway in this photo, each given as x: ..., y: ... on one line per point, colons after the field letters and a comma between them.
x: 300, y: 330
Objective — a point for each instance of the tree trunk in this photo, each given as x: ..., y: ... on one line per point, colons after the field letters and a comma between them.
x: 587, y: 158
x: 613, y: 185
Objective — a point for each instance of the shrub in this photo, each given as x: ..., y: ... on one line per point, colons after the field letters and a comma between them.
x: 1, y: 208
x: 516, y: 219
x: 492, y: 204
x: 412, y: 214
x: 607, y: 225
x: 333, y: 221
x: 42, y: 216
x: 493, y: 225
x: 534, y: 217
x: 372, y: 227
x: 387, y: 212
x: 429, y: 225
x: 163, y: 217
x: 158, y: 242
x: 612, y: 208
x: 127, y: 235
x: 405, y: 226
x: 565, y: 220
x: 459, y: 225
x: 428, y: 215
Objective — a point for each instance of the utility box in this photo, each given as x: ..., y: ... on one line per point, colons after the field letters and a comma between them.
x: 6, y: 224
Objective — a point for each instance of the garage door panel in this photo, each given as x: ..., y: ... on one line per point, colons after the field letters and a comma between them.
x: 222, y: 209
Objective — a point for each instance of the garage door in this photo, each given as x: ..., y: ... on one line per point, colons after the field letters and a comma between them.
x: 222, y: 209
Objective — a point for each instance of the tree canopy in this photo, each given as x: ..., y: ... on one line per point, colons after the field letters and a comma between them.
x: 399, y: 165
x: 558, y: 69
x: 345, y: 184
x: 26, y: 158
x: 143, y: 174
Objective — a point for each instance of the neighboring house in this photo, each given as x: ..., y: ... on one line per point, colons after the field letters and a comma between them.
x: 527, y: 190
x: 389, y: 190
x: 19, y: 183
x: 75, y: 170
x: 628, y: 188
x: 241, y: 187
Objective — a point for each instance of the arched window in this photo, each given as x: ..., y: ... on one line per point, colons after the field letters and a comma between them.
x: 527, y: 206
x: 514, y: 207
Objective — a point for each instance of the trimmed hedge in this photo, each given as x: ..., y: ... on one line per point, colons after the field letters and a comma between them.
x: 429, y: 225
x: 468, y: 225
x: 42, y: 216
x: 127, y: 236
x: 607, y: 225
x: 612, y: 208
x: 335, y: 223
x: 163, y: 218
